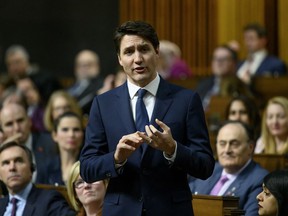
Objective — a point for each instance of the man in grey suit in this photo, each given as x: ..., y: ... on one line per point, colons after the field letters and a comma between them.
x: 240, y: 175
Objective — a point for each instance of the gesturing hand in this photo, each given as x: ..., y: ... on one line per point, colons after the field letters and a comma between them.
x: 127, y: 145
x: 160, y: 140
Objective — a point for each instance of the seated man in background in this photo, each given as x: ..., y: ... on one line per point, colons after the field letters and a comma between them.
x: 88, y: 80
x: 258, y: 62
x: 223, y: 81
x: 235, y: 174
x: 14, y: 120
x: 18, y: 64
x: 16, y: 169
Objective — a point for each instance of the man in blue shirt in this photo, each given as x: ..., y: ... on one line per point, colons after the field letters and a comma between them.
x: 16, y: 169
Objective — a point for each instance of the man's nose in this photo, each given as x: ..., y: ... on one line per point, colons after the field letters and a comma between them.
x: 138, y: 57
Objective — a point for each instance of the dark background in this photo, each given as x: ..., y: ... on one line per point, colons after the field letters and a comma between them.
x: 53, y: 31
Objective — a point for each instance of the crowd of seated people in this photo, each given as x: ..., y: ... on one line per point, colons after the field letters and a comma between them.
x: 52, y: 125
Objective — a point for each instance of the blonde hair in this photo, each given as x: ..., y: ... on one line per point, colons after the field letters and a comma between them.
x: 74, y: 173
x: 48, y: 119
x: 73, y: 176
x: 267, y: 138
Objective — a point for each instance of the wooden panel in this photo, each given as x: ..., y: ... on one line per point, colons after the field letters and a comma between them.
x: 272, y: 162
x: 184, y: 22
x: 233, y: 15
x: 283, y: 29
x: 215, y: 205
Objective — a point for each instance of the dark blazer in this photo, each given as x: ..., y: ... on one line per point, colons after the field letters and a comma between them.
x: 85, y: 96
x: 229, y: 86
x: 147, y: 178
x: 43, y: 148
x: 271, y: 65
x: 246, y: 186
x: 42, y: 202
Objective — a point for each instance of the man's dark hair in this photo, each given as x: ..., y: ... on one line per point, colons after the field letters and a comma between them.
x: 260, y: 30
x: 26, y: 150
x: 139, y: 28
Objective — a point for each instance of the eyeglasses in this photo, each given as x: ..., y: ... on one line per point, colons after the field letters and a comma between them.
x: 80, y: 183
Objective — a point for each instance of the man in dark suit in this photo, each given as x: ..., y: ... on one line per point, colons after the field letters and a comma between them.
x: 258, y: 62
x: 88, y: 79
x: 223, y: 81
x: 15, y: 121
x: 242, y: 177
x: 148, y: 162
x: 16, y: 168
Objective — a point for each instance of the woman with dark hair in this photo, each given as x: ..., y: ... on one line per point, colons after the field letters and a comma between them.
x: 68, y: 134
x: 273, y: 200
x: 244, y: 109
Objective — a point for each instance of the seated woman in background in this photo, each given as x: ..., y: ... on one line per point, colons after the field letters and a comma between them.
x: 274, y: 130
x: 59, y: 102
x: 244, y: 109
x: 273, y: 200
x: 86, y: 199
x: 68, y: 134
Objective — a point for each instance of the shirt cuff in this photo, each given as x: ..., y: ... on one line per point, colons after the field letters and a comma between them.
x: 119, y: 166
x: 171, y: 158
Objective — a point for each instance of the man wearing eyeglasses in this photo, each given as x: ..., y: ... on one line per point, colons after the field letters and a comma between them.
x: 235, y: 174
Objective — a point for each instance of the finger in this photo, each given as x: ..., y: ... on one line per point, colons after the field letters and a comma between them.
x: 162, y: 125
x: 146, y: 138
x: 154, y: 130
x: 131, y: 138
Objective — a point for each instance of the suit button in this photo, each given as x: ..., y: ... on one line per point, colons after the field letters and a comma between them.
x: 108, y: 175
x: 140, y: 199
x: 145, y: 171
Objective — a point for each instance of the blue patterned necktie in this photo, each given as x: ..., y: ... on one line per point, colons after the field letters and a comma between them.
x: 142, y: 118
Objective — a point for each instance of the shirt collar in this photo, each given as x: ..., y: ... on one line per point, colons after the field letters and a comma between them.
x: 234, y: 175
x: 22, y: 195
x: 28, y: 143
x: 151, y: 87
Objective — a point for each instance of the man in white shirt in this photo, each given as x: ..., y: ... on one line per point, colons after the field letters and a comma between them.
x: 258, y: 61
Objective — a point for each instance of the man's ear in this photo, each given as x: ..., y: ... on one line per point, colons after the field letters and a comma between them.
x: 119, y: 60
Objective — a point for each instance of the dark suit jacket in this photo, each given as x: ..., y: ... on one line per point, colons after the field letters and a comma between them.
x: 246, y: 186
x: 85, y: 96
x: 229, y: 86
x: 43, y: 148
x: 271, y: 65
x: 147, y: 178
x: 42, y: 202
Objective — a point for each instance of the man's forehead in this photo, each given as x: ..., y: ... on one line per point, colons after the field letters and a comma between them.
x: 12, y: 153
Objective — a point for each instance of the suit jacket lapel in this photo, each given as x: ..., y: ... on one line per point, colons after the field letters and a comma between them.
x: 123, y: 105
x: 30, y: 203
x: 239, y: 180
x: 3, y: 204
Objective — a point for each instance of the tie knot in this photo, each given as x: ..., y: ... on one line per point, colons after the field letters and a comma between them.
x: 141, y: 93
x: 223, y: 179
x: 14, y: 200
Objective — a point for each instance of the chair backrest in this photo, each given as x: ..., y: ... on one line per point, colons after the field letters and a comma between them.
x: 61, y: 189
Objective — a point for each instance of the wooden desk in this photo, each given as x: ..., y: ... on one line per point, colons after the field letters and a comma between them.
x: 206, y: 205
x: 272, y: 162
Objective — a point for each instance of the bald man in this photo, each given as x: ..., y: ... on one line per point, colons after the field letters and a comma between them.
x: 88, y: 79
x: 15, y: 121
